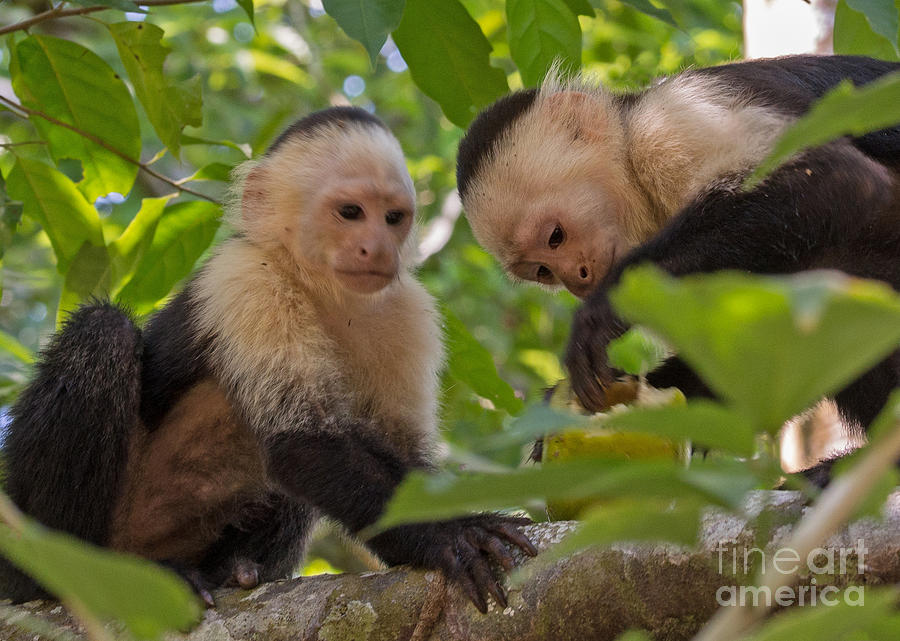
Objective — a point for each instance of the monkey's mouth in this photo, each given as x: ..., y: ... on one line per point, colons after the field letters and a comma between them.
x: 364, y: 281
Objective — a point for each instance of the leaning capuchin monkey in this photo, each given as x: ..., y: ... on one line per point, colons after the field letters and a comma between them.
x: 294, y: 376
x: 572, y: 184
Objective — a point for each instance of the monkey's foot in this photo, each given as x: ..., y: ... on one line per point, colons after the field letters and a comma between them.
x: 201, y: 586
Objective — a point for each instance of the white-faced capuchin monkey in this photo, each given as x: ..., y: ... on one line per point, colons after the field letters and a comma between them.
x: 294, y: 376
x: 571, y: 184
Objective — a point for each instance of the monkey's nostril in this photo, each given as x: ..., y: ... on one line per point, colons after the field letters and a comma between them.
x: 584, y: 272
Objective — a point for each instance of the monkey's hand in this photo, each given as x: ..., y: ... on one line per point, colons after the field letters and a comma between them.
x: 462, y: 548
x: 595, y: 325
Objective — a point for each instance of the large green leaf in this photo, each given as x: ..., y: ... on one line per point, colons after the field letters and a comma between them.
x: 368, y: 21
x: 701, y: 422
x: 470, y: 363
x: 853, y: 35
x: 448, y: 58
x: 182, y: 235
x: 843, y: 110
x: 53, y: 200
x: 146, y: 598
x: 883, y: 17
x: 771, y: 346
x: 423, y: 497
x: 541, y: 32
x: 73, y: 85
x: 89, y: 275
x: 124, y: 5
x: 169, y: 106
x: 127, y: 250
x: 636, y: 352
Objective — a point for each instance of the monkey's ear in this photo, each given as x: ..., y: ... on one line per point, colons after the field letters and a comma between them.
x: 583, y: 115
x: 253, y: 196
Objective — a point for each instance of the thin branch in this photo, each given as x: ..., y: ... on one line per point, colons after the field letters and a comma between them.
x: 59, y: 12
x: 110, y: 148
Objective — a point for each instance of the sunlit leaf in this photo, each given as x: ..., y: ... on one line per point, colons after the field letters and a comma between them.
x: 366, y: 21
x: 771, y: 346
x: 11, y: 345
x: 243, y: 148
x: 701, y: 422
x: 448, y: 58
x: 470, y: 363
x: 54, y: 201
x: 127, y: 250
x: 636, y: 352
x: 169, y: 106
x: 146, y: 598
x: 65, y: 81
x: 853, y: 35
x: 182, y: 235
x: 423, y: 497
x: 541, y: 32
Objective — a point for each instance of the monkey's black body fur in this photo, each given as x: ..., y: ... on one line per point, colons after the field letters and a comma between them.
x: 834, y: 207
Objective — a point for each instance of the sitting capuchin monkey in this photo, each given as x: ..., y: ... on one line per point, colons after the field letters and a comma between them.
x: 571, y: 184
x: 294, y: 376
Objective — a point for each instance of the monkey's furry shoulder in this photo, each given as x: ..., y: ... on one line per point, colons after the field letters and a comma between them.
x: 295, y: 375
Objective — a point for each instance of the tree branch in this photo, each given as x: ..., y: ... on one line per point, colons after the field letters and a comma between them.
x: 99, y: 141
x: 59, y: 12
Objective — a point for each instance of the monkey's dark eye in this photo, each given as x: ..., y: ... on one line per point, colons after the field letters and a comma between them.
x: 556, y: 237
x: 350, y: 212
x: 544, y: 273
x: 394, y: 217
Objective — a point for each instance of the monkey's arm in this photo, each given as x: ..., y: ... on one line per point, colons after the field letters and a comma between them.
x: 350, y: 477
x: 832, y: 208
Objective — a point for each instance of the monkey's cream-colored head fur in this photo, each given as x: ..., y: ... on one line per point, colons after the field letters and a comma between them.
x: 567, y: 151
x: 284, y: 201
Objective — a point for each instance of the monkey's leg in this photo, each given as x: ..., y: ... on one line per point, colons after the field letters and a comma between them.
x: 68, y: 441
x: 265, y: 542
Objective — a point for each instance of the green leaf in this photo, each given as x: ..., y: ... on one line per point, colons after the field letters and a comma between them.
x: 89, y: 275
x: 853, y: 35
x: 247, y: 6
x: 535, y: 422
x: 11, y: 345
x: 842, y: 621
x: 10, y: 217
x: 169, y: 106
x: 646, y: 7
x: 448, y: 58
x: 843, y: 110
x: 771, y: 346
x: 883, y: 17
x: 73, y: 85
x: 702, y: 422
x: 423, y: 497
x: 367, y: 21
x: 470, y: 363
x: 53, y: 201
x: 645, y: 520
x: 636, y: 352
x: 243, y: 148
x: 183, y: 233
x: 127, y: 250
x: 541, y: 32
x: 213, y: 171
x: 146, y: 598
x: 581, y: 7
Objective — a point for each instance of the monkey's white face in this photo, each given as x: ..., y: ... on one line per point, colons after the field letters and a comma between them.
x: 565, y: 241
x: 365, y: 221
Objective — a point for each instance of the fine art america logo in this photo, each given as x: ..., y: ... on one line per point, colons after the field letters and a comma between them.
x: 832, y: 562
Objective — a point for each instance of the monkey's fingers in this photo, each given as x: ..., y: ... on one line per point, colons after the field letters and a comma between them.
x: 456, y: 572
x: 199, y: 584
x: 484, y: 578
x: 511, y: 532
x: 489, y: 544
